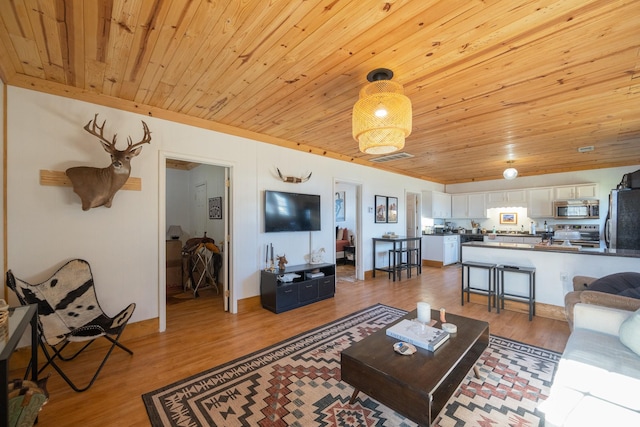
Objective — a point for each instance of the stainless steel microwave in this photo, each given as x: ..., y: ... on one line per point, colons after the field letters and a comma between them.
x: 576, y: 209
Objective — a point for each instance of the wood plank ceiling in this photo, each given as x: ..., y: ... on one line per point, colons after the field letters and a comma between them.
x: 490, y: 81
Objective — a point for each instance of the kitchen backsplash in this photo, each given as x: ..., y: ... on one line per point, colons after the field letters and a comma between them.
x: 523, y: 222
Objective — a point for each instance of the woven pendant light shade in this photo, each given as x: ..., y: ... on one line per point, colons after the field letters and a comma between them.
x: 381, y: 117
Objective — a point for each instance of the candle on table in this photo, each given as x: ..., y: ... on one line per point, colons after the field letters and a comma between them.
x: 424, y: 312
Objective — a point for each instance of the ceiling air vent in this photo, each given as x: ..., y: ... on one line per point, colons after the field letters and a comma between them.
x: 391, y: 157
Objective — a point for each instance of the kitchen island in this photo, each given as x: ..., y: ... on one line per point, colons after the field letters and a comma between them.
x: 555, y: 267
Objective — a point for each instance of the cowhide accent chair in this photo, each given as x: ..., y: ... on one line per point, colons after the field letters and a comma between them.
x: 69, y: 312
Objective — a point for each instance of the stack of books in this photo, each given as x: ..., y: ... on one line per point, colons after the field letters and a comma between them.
x: 418, y: 334
x: 314, y: 275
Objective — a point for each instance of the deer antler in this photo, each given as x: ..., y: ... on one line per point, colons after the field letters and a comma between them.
x: 100, y: 135
x: 146, y: 138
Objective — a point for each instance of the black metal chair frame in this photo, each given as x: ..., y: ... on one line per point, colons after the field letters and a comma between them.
x: 89, y: 332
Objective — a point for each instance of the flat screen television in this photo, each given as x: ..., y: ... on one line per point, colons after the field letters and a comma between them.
x: 291, y: 211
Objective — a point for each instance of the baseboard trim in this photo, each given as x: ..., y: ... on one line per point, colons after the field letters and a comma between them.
x: 249, y: 304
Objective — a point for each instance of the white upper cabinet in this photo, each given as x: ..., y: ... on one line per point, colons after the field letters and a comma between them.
x: 472, y: 205
x: 499, y: 199
x: 516, y: 196
x: 582, y: 191
x: 477, y: 206
x: 458, y: 205
x: 507, y: 196
x: 540, y: 202
x: 436, y: 204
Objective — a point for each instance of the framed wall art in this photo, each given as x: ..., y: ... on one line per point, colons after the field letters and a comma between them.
x: 215, y: 208
x: 340, y: 206
x: 508, y: 218
x: 381, y: 209
x: 392, y: 209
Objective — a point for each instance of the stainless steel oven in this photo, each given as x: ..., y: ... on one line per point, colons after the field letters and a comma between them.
x: 589, y: 234
x: 576, y: 209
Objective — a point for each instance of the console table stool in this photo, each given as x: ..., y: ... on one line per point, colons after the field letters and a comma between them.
x: 489, y: 291
x: 530, y: 298
x: 403, y: 259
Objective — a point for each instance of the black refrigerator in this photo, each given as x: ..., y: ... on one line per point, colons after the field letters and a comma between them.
x: 622, y: 230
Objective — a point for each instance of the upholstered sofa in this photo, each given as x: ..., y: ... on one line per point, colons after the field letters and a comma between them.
x: 344, y: 237
x: 619, y: 290
x: 598, y: 375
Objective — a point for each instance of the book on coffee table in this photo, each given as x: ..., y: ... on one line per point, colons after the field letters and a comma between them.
x: 420, y: 335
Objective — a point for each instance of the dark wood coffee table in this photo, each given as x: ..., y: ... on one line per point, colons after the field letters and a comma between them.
x: 416, y: 386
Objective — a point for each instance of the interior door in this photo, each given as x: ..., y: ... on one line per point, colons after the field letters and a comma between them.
x: 226, y: 249
x: 413, y: 216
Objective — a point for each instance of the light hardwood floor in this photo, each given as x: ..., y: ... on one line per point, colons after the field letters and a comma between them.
x: 200, y: 336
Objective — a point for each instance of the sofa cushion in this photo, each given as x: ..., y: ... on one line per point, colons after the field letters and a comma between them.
x: 598, y: 364
x: 625, y: 284
x: 630, y: 332
x: 595, y: 412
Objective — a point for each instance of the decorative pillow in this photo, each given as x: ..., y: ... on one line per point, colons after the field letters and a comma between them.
x: 630, y: 332
x: 345, y: 234
x: 626, y: 284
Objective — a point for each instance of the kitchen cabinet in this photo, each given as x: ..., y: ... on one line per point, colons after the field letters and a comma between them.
x: 540, y: 202
x: 498, y: 199
x: 451, y: 250
x: 470, y: 205
x: 532, y: 240
x: 436, y: 205
x: 581, y: 191
x: 439, y: 250
x: 459, y: 206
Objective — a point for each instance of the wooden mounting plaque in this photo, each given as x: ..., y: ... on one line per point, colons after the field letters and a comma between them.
x: 60, y: 179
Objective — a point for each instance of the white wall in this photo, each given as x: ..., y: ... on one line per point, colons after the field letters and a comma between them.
x: 46, y: 225
x: 177, y: 201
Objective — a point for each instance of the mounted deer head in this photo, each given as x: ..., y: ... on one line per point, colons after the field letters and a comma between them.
x: 95, y: 186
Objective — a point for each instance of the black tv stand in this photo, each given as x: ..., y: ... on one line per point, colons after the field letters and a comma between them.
x: 315, y: 282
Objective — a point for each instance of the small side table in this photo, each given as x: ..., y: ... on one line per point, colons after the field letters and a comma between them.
x: 350, y: 255
x: 19, y: 318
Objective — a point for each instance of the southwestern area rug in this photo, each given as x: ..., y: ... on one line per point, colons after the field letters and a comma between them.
x: 297, y: 383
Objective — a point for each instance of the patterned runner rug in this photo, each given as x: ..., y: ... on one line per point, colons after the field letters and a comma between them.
x: 297, y: 383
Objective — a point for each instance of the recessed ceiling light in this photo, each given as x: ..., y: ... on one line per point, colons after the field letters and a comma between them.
x: 586, y: 149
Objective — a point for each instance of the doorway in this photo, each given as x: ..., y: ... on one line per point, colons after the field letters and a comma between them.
x: 347, y: 221
x: 197, y: 203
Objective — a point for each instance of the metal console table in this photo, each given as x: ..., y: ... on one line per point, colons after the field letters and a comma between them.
x: 399, y: 243
x: 19, y: 318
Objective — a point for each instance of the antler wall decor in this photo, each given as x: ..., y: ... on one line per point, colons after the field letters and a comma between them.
x: 293, y: 179
x: 95, y: 186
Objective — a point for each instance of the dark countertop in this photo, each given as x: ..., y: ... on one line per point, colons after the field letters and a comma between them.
x: 628, y: 253
x: 486, y: 234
